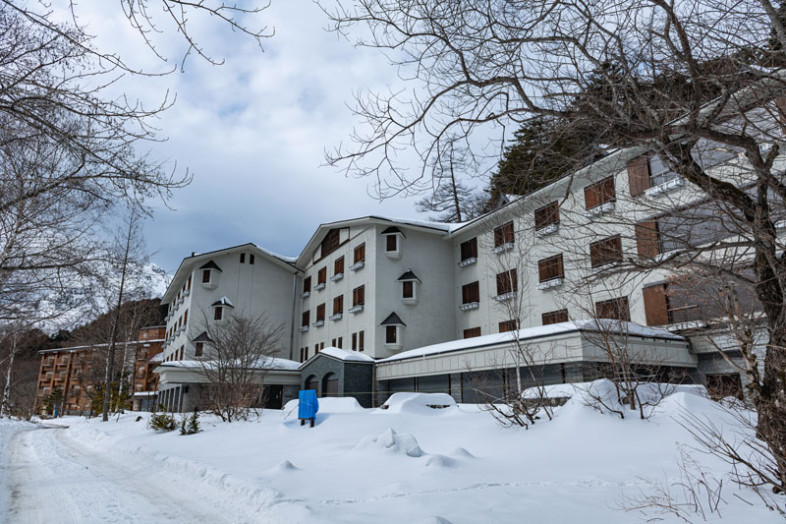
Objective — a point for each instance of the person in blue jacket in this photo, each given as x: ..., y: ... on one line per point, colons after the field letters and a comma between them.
x: 308, y: 405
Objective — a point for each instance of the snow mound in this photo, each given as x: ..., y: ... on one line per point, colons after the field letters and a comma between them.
x: 390, y: 441
x: 440, y: 461
x: 419, y: 403
x: 282, y: 467
x: 462, y: 453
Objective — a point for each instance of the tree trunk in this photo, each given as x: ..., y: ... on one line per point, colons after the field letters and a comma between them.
x: 5, y: 406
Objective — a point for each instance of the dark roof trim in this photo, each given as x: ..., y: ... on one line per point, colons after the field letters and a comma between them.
x: 210, y: 265
x: 393, y: 230
x: 393, y: 320
x: 409, y: 275
x: 202, y: 337
x: 223, y: 301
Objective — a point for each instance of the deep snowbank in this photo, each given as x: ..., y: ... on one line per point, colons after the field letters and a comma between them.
x: 419, y: 464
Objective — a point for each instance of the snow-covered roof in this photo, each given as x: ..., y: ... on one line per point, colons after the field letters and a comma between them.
x: 158, y: 357
x: 592, y: 325
x: 223, y: 301
x: 344, y: 354
x: 263, y: 363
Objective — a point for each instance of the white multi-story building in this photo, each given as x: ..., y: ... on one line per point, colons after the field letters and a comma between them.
x: 427, y: 306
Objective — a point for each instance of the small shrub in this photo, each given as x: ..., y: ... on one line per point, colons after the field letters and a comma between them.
x: 189, y: 424
x: 163, y: 422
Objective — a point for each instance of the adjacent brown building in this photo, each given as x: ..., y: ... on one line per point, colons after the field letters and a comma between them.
x: 75, y: 372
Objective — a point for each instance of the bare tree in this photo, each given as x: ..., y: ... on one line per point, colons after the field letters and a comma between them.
x: 237, y: 357
x: 672, y: 80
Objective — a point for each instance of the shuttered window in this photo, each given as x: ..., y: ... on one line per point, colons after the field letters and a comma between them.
x: 507, y: 325
x: 547, y: 215
x: 470, y: 293
x: 507, y: 282
x: 469, y: 249
x: 359, y: 296
x: 338, y: 266
x: 472, y: 332
x: 606, y: 251
x: 321, y: 312
x: 322, y: 276
x: 600, y: 193
x: 307, y: 285
x: 554, y: 317
x: 656, y: 305
x: 503, y: 234
x: 330, y: 243
x: 616, y: 308
x: 338, y: 305
x: 306, y: 318
x: 647, y: 244
x: 551, y: 268
x: 359, y: 254
x: 639, y: 175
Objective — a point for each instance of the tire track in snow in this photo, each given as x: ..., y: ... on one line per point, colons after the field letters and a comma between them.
x: 54, y: 479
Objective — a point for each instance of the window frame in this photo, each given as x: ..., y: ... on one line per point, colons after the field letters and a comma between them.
x: 504, y: 234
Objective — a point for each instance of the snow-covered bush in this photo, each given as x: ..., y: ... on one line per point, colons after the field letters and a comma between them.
x: 163, y: 422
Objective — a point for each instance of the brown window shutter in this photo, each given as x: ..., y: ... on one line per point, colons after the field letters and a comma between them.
x: 639, y: 175
x: 591, y: 197
x: 656, y: 305
x: 647, y: 239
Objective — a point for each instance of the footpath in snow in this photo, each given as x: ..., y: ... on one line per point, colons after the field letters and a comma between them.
x: 408, y: 463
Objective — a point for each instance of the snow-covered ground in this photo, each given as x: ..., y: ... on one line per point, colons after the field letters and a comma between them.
x: 408, y: 463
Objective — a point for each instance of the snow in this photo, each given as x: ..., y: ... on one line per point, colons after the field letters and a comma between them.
x: 343, y: 354
x: 593, y: 325
x: 408, y: 463
x: 263, y: 363
x: 417, y: 403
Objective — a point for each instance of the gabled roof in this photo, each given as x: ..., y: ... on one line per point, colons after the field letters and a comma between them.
x: 202, y: 337
x: 409, y: 275
x: 210, y: 265
x: 392, y: 230
x: 436, y: 228
x: 188, y: 263
x: 392, y: 320
x: 223, y: 301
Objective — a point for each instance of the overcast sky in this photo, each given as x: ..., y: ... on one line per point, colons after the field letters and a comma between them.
x: 253, y: 131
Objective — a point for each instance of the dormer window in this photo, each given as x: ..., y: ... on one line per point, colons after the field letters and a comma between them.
x: 219, y: 307
x: 409, y: 282
x: 394, y: 332
x: 210, y: 273
x: 393, y: 237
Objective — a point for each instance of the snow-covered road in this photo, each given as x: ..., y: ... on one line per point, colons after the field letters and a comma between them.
x: 52, y: 478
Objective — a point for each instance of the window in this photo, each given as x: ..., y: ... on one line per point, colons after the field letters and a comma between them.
x: 206, y: 276
x: 391, y: 243
x: 218, y: 313
x: 547, y: 215
x: 391, y: 334
x: 656, y: 305
x: 305, y: 319
x: 472, y: 332
x: 469, y: 249
x: 251, y: 259
x: 322, y: 275
x: 616, y: 308
x: 359, y: 296
x: 639, y: 175
x: 338, y: 305
x: 307, y: 285
x: 554, y: 317
x: 551, y: 268
x: 359, y: 254
x: 409, y: 282
x: 357, y: 341
x: 470, y: 293
x: 340, y: 343
x: 333, y: 343
x: 600, y: 193
x: 507, y: 325
x: 507, y: 282
x: 321, y: 313
x: 198, y: 349
x: 607, y: 251
x: 408, y: 289
x: 338, y: 266
x: 647, y: 239
x: 504, y: 234
x: 189, y: 283
x: 242, y: 258
x: 330, y: 243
